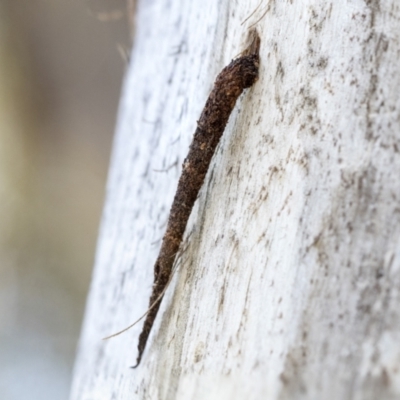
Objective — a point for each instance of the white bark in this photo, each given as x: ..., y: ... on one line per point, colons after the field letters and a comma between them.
x: 289, y: 285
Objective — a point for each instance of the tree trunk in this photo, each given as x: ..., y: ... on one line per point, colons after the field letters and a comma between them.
x: 288, y: 284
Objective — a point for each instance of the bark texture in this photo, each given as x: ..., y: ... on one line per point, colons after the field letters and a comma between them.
x: 289, y: 284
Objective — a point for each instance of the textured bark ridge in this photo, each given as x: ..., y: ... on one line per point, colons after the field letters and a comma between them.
x: 230, y: 83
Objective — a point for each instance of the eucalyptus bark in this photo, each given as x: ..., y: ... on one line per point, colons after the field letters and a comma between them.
x: 289, y: 283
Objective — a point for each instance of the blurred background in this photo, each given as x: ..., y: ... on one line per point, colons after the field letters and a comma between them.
x: 61, y: 69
